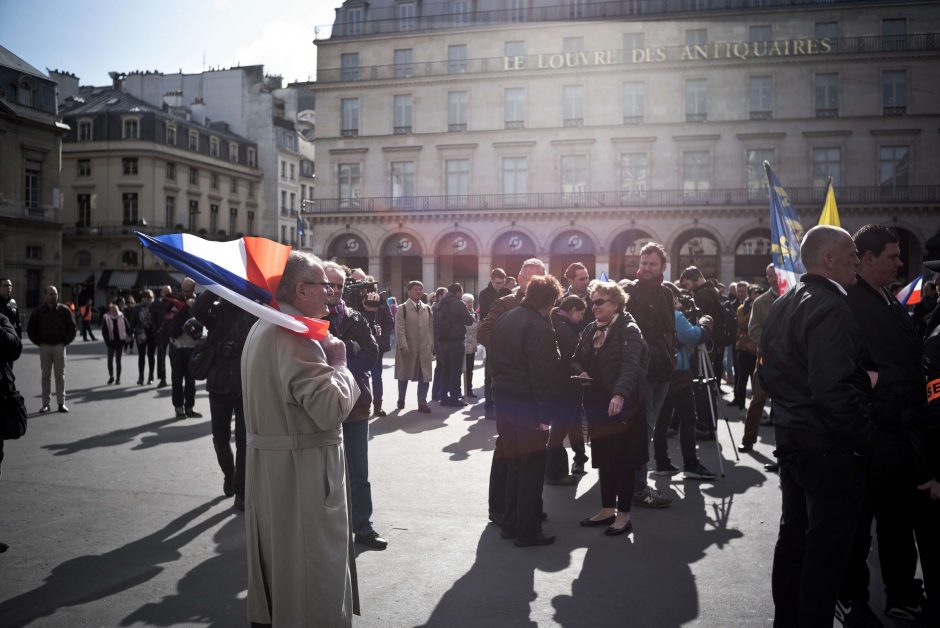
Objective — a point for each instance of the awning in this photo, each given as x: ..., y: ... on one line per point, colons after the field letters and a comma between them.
x: 77, y: 277
x: 120, y: 279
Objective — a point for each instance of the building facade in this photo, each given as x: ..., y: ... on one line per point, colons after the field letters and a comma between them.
x: 129, y: 166
x: 30, y: 160
x: 457, y: 136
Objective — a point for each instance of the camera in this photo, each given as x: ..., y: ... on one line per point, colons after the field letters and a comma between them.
x: 688, y: 307
x: 354, y: 292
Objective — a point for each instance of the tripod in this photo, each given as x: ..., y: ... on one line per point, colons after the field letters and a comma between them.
x: 706, y: 379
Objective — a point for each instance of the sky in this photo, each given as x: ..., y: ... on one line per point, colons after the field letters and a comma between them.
x: 89, y: 38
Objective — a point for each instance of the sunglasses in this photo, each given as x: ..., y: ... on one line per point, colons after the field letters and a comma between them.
x: 599, y: 302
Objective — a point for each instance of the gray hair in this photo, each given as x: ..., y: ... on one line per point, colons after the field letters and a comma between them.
x: 533, y: 261
x: 818, y: 241
x: 298, y: 268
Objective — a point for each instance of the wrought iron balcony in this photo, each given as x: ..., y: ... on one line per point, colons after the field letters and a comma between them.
x: 895, y: 111
x: 515, y: 124
x: 696, y: 117
x: 18, y: 210
x: 633, y: 119
x: 827, y: 113
x: 761, y: 115
x: 114, y: 229
x: 736, y: 197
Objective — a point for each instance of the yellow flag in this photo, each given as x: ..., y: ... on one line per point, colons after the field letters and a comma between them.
x: 830, y: 213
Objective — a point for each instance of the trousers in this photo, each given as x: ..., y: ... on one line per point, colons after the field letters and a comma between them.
x: 52, y: 359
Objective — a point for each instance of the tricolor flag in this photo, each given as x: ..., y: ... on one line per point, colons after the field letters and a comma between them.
x: 603, y: 277
x: 244, y: 272
x: 830, y: 213
x: 786, y: 232
x: 910, y: 294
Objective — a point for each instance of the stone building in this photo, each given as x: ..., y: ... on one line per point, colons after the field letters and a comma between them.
x: 457, y: 136
x: 130, y: 166
x: 30, y: 139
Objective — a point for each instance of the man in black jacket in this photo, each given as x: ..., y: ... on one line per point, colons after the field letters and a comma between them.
x: 892, y: 349
x: 52, y: 328
x: 930, y: 451
x: 496, y: 290
x: 526, y: 370
x: 813, y: 372
x: 450, y: 327
x: 382, y: 324
x: 8, y: 306
x: 708, y: 300
x: 10, y: 349
x: 348, y: 325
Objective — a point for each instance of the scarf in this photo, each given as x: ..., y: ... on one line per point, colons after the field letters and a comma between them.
x: 116, y: 323
x: 600, y: 333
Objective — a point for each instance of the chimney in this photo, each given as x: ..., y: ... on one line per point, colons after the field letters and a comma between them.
x: 199, y: 111
x: 67, y: 84
x: 117, y: 79
x: 173, y: 98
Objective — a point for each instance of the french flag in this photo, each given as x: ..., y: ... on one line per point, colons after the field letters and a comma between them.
x: 910, y: 294
x: 244, y: 272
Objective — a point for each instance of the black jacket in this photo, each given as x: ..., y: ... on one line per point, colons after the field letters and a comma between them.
x: 653, y: 311
x: 528, y: 361
x: 929, y: 421
x: 10, y: 349
x: 383, y: 318
x: 487, y: 296
x: 812, y: 369
x: 619, y: 367
x: 9, y: 309
x: 588, y: 311
x: 228, y: 327
x: 361, y: 353
x: 451, y: 318
x: 51, y: 326
x: 566, y: 333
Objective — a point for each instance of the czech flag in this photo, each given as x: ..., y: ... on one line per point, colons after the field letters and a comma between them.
x: 910, y: 294
x: 244, y: 272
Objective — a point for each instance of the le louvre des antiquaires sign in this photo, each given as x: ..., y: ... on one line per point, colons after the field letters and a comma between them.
x: 719, y: 50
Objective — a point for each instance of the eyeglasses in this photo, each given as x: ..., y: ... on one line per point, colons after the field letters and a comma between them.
x: 325, y: 284
x: 338, y: 287
x: 599, y: 302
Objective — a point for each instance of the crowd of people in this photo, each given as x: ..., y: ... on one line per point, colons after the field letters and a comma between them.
x: 619, y: 365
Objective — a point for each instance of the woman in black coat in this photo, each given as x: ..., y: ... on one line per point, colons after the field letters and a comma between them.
x: 612, y: 358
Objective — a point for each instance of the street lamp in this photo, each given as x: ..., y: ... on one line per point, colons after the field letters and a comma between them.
x: 141, y: 223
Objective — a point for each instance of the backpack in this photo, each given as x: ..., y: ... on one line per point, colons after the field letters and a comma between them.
x: 725, y: 330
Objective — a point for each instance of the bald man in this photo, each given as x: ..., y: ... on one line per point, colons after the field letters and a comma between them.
x: 820, y: 395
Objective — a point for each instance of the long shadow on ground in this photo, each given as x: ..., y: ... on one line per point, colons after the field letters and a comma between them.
x: 164, y: 431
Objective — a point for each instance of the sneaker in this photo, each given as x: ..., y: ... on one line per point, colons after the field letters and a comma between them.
x: 44, y: 409
x: 699, y: 473
x: 180, y: 412
x: 63, y: 407
x: 666, y: 470
x: 856, y: 614
x: 651, y: 498
x: 150, y: 381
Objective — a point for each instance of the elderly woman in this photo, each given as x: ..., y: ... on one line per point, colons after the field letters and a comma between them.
x: 611, y: 358
x: 470, y: 345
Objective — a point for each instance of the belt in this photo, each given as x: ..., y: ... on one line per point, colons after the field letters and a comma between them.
x: 288, y: 442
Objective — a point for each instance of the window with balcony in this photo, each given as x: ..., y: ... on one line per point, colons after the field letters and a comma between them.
x: 194, y: 141
x: 170, y: 171
x: 756, y: 175
x: 129, y: 203
x: 696, y: 36
x: 354, y: 20
x: 402, y: 112
x: 514, y: 107
x: 131, y: 129
x: 170, y: 136
x: 573, y: 105
x: 233, y: 186
x: 827, y: 30
x: 130, y: 166
x: 83, y: 203
x: 214, y: 150
x: 33, y: 184
x: 515, y: 53
x: 515, y: 177
x: 349, y: 117
x: 404, y: 63
x: 457, y: 59
x: 283, y: 169
x: 894, y: 32
x: 283, y: 202
x: 462, y: 11
x: 193, y: 216
x: 252, y: 157
x: 169, y: 212
x: 894, y: 168
x: 403, y: 183
x: 293, y: 202
x: 251, y: 189
x: 518, y: 10
x: 634, y: 102
x: 696, y: 100
x: 456, y: 178
x: 350, y: 184
x: 214, y: 180
x: 458, y: 111
x: 233, y: 152
x: 633, y: 41
x: 232, y: 221
x: 407, y: 16
x: 827, y: 162
x: 894, y: 83
x: 213, y: 219
x: 250, y: 226
x: 761, y: 97
x: 576, y: 8
x: 84, y: 167
x: 696, y: 173
x: 293, y: 172
x: 634, y: 176
x: 573, y: 174
x: 827, y: 95
x: 349, y: 64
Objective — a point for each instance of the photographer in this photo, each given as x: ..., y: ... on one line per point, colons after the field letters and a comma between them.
x: 376, y: 311
x: 183, y: 338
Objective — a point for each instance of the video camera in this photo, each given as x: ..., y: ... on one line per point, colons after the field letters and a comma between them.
x: 689, y: 308
x: 354, y: 292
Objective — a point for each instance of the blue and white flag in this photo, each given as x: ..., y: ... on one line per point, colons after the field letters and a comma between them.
x: 603, y: 277
x: 786, y: 233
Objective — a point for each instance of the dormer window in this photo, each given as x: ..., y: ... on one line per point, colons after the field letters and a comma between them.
x: 233, y: 152
x: 171, y: 134
x: 252, y: 160
x: 25, y: 92
x: 131, y: 128
x: 85, y: 131
x: 354, y: 18
x: 213, y: 147
x: 194, y: 141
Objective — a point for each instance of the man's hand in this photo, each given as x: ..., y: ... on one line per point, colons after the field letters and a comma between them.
x: 334, y: 349
x: 615, y: 406
x: 932, y: 487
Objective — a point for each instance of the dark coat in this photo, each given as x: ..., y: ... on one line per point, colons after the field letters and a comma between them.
x: 9, y: 309
x: 497, y: 309
x: 892, y: 347
x: 488, y: 296
x: 451, y: 318
x: 929, y: 421
x: 383, y: 318
x: 652, y: 309
x: 10, y: 349
x: 362, y: 351
x: 228, y: 327
x: 588, y: 311
x: 567, y: 333
x: 812, y: 368
x: 528, y: 362
x: 51, y: 326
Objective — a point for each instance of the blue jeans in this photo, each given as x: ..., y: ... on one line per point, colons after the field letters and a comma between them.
x: 655, y: 396
x: 450, y: 358
x: 356, y: 444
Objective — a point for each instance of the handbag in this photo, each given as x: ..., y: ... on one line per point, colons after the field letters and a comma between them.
x: 200, y: 361
x: 12, y: 413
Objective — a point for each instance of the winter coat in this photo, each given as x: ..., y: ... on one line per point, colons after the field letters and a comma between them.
x: 488, y: 296
x: 228, y: 327
x: 114, y: 329
x: 470, y: 343
x: 300, y: 557
x: 652, y: 309
x: 384, y: 319
x: 362, y: 352
x: 414, y: 351
x: 744, y: 342
x: 51, y: 326
x: 567, y: 333
x: 10, y: 349
x: 497, y: 309
x: 451, y: 319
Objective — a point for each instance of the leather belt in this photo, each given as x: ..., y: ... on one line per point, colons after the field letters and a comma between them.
x: 288, y: 442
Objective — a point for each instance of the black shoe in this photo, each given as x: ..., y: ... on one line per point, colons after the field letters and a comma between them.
x: 117, y: 382
x: 110, y: 380
x: 63, y: 408
x: 773, y: 467
x: 379, y: 412
x: 149, y: 381
x: 612, y: 531
x: 192, y: 414
x: 239, y: 503
x: 698, y: 472
x: 228, y: 486
x: 565, y: 480
x: 162, y: 384
x: 424, y: 408
x: 666, y: 470
x: 140, y: 381
x: 912, y: 607
x: 180, y: 413
x: 372, y: 539
x: 401, y: 404
x: 590, y: 523
x: 856, y: 614
x: 746, y: 447
x: 541, y: 539
x: 577, y: 468
x: 44, y: 409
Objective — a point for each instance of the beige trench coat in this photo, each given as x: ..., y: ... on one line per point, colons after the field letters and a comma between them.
x: 300, y: 566
x: 415, y: 337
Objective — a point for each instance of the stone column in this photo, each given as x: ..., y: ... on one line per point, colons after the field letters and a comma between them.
x: 428, y: 273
